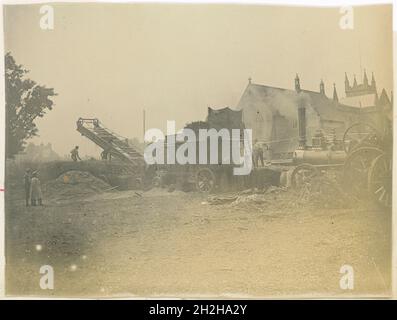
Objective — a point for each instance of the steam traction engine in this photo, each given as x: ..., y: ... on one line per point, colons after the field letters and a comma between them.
x: 364, y: 156
x: 324, y: 153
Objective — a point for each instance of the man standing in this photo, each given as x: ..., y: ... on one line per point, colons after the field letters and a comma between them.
x: 74, y: 154
x: 258, y: 153
x: 35, y: 190
x: 27, y: 180
x: 104, y: 155
x: 267, y: 153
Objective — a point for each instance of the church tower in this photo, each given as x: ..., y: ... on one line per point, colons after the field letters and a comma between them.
x: 360, y: 89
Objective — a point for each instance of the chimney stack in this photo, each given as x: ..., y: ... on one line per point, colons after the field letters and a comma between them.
x: 302, y: 125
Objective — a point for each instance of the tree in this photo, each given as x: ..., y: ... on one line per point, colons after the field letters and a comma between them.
x: 25, y: 101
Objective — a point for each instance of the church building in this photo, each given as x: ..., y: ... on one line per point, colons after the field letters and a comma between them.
x: 272, y: 113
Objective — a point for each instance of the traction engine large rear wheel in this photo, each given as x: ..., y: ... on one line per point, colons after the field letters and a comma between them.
x: 360, y: 135
x: 356, y: 168
x: 380, y: 180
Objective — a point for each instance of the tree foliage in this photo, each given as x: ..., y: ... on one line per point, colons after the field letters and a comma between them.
x: 25, y: 101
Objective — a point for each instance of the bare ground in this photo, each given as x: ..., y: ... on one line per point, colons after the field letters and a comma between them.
x: 177, y: 244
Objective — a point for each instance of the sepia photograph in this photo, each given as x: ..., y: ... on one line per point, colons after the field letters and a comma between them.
x: 198, y: 150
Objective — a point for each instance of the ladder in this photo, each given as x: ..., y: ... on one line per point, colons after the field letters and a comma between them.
x: 109, y: 141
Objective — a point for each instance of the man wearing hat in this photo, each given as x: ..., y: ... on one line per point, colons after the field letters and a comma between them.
x: 74, y: 154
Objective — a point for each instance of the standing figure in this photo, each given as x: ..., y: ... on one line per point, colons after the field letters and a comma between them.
x: 258, y: 153
x: 35, y: 190
x: 267, y: 154
x: 74, y: 154
x: 104, y: 155
x: 26, y: 181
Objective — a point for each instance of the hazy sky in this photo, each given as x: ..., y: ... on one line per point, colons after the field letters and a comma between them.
x: 111, y: 61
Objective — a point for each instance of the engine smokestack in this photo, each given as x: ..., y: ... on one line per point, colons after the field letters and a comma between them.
x: 302, y: 126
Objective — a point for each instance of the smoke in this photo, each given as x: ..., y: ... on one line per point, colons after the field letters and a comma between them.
x: 261, y: 104
x: 286, y: 103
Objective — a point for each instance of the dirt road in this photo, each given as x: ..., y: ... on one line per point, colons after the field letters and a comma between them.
x: 177, y: 244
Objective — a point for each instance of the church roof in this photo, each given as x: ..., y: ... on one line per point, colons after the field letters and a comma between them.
x: 285, y: 102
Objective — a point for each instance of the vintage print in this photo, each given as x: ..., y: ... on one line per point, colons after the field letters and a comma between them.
x: 198, y: 150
